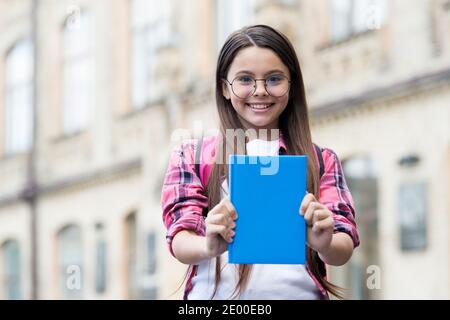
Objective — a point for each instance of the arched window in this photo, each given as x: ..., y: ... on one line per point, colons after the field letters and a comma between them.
x: 11, y: 270
x: 78, y: 68
x: 361, y: 177
x: 70, y: 262
x: 19, y: 97
x: 151, y: 29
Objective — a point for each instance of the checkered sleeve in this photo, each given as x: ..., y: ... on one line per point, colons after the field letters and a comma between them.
x: 183, y: 197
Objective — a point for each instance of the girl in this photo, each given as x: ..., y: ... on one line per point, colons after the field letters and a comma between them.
x: 259, y: 86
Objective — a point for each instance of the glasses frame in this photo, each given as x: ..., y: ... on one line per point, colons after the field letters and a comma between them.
x: 255, y: 86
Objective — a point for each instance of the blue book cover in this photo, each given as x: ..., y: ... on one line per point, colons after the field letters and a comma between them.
x: 266, y: 192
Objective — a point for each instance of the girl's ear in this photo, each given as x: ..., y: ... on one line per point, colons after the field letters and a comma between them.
x: 225, y: 91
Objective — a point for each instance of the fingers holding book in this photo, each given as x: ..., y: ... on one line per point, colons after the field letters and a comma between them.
x: 220, y: 224
x: 320, y: 223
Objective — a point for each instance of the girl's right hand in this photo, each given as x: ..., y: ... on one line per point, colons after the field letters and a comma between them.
x: 219, y: 227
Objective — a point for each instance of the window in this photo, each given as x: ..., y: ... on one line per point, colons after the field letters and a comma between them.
x: 70, y: 262
x: 232, y: 15
x: 100, y: 260
x: 361, y: 175
x: 350, y: 17
x: 151, y: 253
x: 151, y: 30
x: 131, y: 255
x: 19, y: 97
x: 78, y: 72
x: 341, y: 12
x: 149, y: 290
x: 11, y: 270
x: 412, y: 198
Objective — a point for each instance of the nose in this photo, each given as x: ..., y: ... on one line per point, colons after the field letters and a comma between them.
x: 261, y: 88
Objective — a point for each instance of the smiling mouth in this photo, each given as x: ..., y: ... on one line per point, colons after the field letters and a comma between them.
x: 259, y: 106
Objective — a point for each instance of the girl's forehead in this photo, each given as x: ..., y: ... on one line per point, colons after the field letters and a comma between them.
x: 257, y: 60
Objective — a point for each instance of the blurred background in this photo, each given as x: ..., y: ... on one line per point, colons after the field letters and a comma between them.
x: 93, y: 92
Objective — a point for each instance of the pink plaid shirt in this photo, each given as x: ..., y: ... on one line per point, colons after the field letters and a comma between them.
x: 185, y: 203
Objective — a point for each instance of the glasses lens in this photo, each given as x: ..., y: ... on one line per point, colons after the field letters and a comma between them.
x: 277, y: 85
x: 243, y: 86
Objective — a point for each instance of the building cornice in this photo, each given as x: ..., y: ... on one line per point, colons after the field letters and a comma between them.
x: 100, y: 176
x: 398, y: 90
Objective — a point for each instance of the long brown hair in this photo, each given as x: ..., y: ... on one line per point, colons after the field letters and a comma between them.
x: 293, y: 124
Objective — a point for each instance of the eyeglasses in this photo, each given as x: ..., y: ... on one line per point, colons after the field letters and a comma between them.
x: 245, y: 86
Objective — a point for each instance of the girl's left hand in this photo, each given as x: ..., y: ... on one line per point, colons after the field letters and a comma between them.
x: 320, y: 224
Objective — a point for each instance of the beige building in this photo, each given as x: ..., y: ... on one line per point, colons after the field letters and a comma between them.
x: 114, y: 83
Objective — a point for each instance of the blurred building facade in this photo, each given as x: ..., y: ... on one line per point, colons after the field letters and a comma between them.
x: 94, y: 95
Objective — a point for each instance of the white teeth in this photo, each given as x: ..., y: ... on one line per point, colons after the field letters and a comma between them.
x: 259, y: 106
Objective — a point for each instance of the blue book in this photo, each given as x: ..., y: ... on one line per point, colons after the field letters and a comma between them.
x: 266, y: 192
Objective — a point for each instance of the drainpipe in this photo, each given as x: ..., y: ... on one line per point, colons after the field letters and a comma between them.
x: 30, y: 192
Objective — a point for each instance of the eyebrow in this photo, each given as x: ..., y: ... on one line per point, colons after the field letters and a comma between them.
x: 269, y: 72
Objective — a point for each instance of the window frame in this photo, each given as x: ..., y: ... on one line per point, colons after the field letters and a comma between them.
x: 147, y: 35
x: 75, y: 117
x: 63, y: 265
x: 11, y: 293
x: 351, y: 17
x: 19, y: 140
x: 242, y: 13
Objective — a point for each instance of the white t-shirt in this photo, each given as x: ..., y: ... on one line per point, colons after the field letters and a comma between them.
x: 267, y: 281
